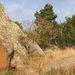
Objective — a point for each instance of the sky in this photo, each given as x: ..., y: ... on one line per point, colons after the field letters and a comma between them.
x: 20, y: 10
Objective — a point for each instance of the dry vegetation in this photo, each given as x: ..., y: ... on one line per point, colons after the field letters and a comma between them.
x: 37, y: 62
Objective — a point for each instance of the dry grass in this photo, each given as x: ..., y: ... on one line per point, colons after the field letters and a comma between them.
x: 39, y: 62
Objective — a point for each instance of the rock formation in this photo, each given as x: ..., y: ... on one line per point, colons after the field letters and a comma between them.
x: 15, y: 45
x: 3, y: 57
x: 64, y: 64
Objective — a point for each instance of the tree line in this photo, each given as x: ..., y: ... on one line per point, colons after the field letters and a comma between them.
x: 48, y: 32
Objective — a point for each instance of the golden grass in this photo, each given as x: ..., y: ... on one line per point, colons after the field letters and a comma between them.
x: 38, y: 62
x: 47, y: 59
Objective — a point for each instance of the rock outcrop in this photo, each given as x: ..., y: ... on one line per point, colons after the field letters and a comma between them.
x: 3, y: 57
x: 64, y: 64
x: 16, y: 45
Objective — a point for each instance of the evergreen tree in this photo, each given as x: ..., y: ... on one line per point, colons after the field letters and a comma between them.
x: 68, y: 33
x: 45, y: 21
x: 47, y: 13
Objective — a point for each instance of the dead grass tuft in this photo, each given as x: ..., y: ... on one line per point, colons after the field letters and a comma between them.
x: 50, y: 58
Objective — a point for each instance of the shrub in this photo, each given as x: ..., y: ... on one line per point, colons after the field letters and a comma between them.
x: 47, y: 74
x: 6, y: 73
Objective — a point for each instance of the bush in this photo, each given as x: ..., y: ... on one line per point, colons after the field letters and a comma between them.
x: 47, y: 74
x: 6, y: 73
x: 43, y: 33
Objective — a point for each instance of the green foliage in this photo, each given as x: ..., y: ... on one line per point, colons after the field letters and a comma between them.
x: 71, y: 73
x: 45, y: 35
x: 62, y: 35
x: 6, y: 73
x: 47, y: 74
x: 62, y: 73
x: 33, y: 54
x: 46, y: 31
x: 46, y: 13
x: 40, y: 69
x: 46, y: 25
x: 68, y: 33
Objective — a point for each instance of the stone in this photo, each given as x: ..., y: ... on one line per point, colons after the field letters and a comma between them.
x: 48, y: 51
x: 4, y: 60
x: 17, y: 44
x: 63, y: 64
x: 32, y: 72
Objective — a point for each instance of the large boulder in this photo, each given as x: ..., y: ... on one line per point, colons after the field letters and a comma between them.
x: 5, y: 38
x: 17, y: 44
x: 64, y: 64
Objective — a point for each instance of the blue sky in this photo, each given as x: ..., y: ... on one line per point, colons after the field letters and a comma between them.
x: 19, y: 10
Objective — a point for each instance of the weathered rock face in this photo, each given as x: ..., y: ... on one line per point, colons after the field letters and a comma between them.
x: 5, y: 38
x: 17, y: 44
x: 4, y: 65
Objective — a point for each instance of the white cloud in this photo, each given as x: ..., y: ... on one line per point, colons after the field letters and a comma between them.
x: 57, y: 11
x: 72, y: 2
x: 25, y: 9
x: 17, y: 11
x: 67, y: 13
x: 36, y: 6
